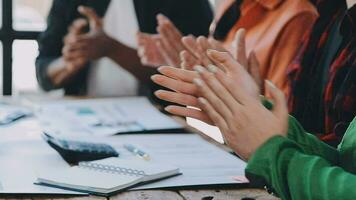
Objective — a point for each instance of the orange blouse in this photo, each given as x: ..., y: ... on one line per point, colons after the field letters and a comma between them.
x: 274, y: 29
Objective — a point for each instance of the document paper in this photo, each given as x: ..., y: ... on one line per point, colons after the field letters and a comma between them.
x: 103, y: 117
x: 201, y: 162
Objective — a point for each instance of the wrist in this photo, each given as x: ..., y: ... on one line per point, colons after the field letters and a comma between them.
x: 113, y: 49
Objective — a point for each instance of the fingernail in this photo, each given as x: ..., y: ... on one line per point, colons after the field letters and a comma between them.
x: 212, y: 68
x: 199, y: 69
x: 153, y: 77
x: 167, y: 108
x: 268, y: 82
x: 160, y: 68
x: 157, y: 93
x: 202, y: 100
x: 198, y: 82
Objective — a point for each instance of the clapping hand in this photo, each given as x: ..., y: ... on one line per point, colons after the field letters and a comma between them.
x: 244, y: 122
x: 162, y: 48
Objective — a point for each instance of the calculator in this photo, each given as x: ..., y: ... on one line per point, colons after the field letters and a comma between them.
x: 76, y: 151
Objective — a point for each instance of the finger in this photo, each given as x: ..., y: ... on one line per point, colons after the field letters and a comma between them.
x: 78, y: 26
x: 68, y: 49
x: 94, y: 20
x: 142, y: 37
x: 254, y: 68
x: 227, y: 61
x: 163, y: 20
x: 171, y: 31
x: 216, y: 45
x: 70, y: 38
x: 240, y: 47
x: 168, y: 53
x: 73, y: 55
x: 188, y: 60
x: 177, y: 98
x: 217, y: 88
x: 168, y: 37
x: 213, y: 99
x: 217, y: 119
x: 178, y: 74
x: 189, y: 112
x: 175, y: 85
x: 190, y: 43
x: 280, y: 109
x: 141, y: 51
x: 239, y: 94
x: 203, y: 46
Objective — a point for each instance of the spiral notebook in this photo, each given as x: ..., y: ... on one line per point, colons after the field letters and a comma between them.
x: 106, y: 177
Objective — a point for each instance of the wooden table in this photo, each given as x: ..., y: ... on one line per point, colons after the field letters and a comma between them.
x: 247, y: 194
x: 28, y: 127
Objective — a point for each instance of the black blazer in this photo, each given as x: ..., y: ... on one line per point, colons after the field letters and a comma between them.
x: 190, y: 16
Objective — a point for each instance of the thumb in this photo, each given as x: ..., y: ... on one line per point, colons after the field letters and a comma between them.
x: 95, y: 21
x: 280, y: 109
x: 254, y: 68
x: 240, y: 47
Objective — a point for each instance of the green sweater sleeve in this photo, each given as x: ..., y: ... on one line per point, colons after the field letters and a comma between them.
x: 283, y: 166
x: 310, y: 144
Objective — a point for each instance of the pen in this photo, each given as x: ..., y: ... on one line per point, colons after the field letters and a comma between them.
x: 136, y: 151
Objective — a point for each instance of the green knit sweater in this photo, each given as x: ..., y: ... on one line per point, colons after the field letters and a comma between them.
x: 300, y: 166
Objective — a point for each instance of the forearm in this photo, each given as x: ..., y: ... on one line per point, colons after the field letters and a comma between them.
x: 128, y: 58
x: 293, y: 174
x: 310, y: 144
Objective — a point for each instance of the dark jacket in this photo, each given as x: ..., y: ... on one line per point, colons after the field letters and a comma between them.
x: 191, y: 17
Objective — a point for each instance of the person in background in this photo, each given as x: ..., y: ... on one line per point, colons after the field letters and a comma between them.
x: 323, y: 79
x: 102, y: 60
x: 271, y: 36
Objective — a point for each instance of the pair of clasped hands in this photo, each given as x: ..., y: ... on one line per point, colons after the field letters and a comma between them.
x: 214, y: 86
x: 82, y: 46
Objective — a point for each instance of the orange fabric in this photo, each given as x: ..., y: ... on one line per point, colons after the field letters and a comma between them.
x: 274, y: 29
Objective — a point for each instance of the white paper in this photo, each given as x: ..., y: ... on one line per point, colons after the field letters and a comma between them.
x: 21, y: 160
x: 102, y: 117
x: 201, y: 162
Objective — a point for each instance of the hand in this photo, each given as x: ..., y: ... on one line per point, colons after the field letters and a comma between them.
x: 197, y: 48
x: 244, y: 122
x: 185, y: 92
x: 250, y: 63
x: 195, y: 53
x: 94, y: 44
x: 148, y: 50
x: 169, y: 44
x: 71, y: 60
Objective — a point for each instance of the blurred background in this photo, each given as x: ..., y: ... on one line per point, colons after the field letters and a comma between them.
x: 18, y: 34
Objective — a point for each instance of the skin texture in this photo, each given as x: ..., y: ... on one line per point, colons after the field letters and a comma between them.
x: 81, y: 48
x: 185, y: 92
x: 244, y: 122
